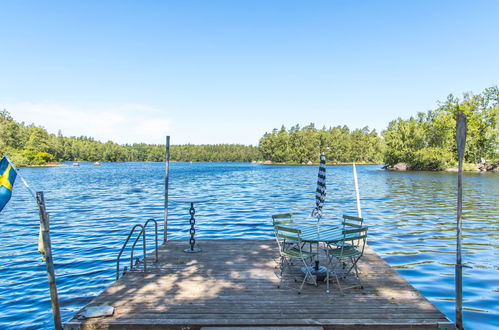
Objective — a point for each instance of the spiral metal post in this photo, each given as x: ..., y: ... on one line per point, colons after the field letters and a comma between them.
x: 192, y: 231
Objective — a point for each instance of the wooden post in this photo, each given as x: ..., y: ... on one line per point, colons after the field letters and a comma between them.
x: 46, y: 246
x: 167, y: 170
x: 461, y: 144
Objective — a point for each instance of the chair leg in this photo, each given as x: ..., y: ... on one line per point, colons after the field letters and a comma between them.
x: 358, y: 285
x: 354, y: 266
x: 282, y: 264
x: 357, y: 277
x: 327, y: 281
x: 329, y: 256
x: 308, y: 274
x: 339, y: 285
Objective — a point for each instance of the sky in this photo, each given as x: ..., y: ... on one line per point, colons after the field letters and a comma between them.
x: 218, y: 71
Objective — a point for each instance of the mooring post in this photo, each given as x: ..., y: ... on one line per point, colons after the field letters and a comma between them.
x: 46, y: 249
x: 461, y: 144
x: 167, y: 170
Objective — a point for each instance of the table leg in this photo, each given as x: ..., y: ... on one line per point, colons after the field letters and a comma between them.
x: 192, y: 231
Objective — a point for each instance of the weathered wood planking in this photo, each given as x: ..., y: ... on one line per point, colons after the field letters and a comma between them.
x: 233, y: 283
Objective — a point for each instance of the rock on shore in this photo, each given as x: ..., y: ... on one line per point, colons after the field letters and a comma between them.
x: 482, y: 167
x: 397, y: 167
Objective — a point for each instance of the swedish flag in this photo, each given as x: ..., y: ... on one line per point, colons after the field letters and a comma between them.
x: 7, y: 178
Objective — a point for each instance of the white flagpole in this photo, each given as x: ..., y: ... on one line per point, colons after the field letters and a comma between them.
x: 357, y: 195
x: 167, y: 171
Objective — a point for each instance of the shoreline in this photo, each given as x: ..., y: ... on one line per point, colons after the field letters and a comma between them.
x: 468, y: 168
x: 400, y: 167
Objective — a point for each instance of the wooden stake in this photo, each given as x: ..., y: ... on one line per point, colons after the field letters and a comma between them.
x: 461, y: 144
x: 167, y: 170
x: 47, y: 251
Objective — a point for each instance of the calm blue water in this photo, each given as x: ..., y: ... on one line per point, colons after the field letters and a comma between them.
x: 411, y: 218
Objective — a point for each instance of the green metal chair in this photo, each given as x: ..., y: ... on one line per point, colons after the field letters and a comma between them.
x: 348, y: 252
x: 351, y: 221
x: 284, y: 219
x: 289, y: 252
x: 348, y: 222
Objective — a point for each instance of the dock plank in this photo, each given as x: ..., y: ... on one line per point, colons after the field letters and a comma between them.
x: 232, y: 283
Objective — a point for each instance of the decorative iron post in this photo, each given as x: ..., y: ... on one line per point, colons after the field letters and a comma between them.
x: 192, y: 231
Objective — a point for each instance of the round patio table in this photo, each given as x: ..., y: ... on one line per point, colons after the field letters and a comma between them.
x: 315, y: 234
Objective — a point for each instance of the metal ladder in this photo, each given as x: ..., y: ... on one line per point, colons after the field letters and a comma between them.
x: 142, y: 234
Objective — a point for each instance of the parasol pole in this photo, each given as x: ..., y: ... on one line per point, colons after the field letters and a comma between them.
x: 167, y: 171
x: 357, y: 194
x: 461, y: 144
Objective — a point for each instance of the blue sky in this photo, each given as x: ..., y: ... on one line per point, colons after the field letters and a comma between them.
x: 228, y: 71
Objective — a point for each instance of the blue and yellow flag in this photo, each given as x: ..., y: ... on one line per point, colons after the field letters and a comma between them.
x: 7, y: 178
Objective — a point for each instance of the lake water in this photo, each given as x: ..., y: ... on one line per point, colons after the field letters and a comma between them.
x: 411, y: 217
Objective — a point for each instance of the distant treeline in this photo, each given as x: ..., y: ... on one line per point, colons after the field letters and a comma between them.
x: 340, y: 144
x: 33, y: 145
x: 426, y: 142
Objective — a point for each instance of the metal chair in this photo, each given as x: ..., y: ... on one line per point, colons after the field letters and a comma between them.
x: 284, y: 219
x: 351, y: 221
x: 348, y: 252
x: 289, y: 252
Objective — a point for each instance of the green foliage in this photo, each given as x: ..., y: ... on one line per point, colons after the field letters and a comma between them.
x: 17, y: 156
x: 303, y: 145
x: 433, y: 159
x: 213, y: 153
x: 428, y: 141
x: 33, y: 145
x: 425, y: 142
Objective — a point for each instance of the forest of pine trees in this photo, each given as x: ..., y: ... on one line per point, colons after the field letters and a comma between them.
x: 424, y: 142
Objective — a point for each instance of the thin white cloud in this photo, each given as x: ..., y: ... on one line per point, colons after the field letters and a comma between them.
x: 121, y: 123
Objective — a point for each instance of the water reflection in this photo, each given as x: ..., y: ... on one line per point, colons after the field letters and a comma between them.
x: 411, y: 215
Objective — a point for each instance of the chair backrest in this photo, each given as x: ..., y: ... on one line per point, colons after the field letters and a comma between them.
x: 283, y: 218
x: 356, y: 237
x: 286, y: 234
x: 351, y: 221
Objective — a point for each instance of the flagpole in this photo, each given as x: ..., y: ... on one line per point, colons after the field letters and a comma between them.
x: 357, y: 194
x: 45, y: 246
x: 167, y: 170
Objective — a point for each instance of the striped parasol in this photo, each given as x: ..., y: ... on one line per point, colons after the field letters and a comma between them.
x: 320, y: 194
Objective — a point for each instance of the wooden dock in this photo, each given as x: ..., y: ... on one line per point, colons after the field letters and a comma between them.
x: 232, y: 283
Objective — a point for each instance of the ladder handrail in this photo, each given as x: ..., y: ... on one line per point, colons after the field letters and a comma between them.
x: 124, y: 245
x: 143, y: 232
